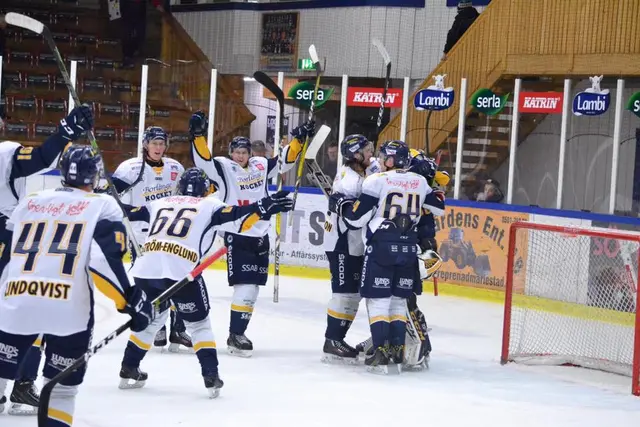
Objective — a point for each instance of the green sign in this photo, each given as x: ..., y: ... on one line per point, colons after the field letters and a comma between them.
x: 634, y: 104
x: 305, y: 64
x: 487, y: 102
x: 302, y: 92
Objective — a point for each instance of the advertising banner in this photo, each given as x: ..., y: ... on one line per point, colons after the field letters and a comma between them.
x: 541, y: 102
x: 372, y: 97
x: 279, y: 45
x: 473, y: 244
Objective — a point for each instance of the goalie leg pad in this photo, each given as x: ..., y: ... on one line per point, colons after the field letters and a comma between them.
x: 417, y: 342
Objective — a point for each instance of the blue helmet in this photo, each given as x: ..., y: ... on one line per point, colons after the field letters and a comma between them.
x: 80, y: 165
x: 398, y: 150
x: 240, y: 142
x: 194, y: 182
x: 352, y: 145
x: 154, y: 133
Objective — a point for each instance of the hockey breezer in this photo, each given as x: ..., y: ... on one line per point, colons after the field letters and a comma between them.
x: 273, y: 87
x: 316, y: 63
x: 45, y: 394
x: 26, y: 22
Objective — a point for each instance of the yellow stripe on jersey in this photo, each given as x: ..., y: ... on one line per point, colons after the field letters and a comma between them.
x: 138, y: 343
x: 204, y: 344
x: 295, y: 148
x: 38, y: 342
x: 109, y: 290
x: 375, y: 319
x: 398, y: 317
x: 200, y: 144
x: 249, y: 222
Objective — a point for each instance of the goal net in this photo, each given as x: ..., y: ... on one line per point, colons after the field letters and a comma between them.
x: 571, y: 298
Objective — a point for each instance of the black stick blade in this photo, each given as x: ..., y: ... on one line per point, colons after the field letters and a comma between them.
x: 271, y: 85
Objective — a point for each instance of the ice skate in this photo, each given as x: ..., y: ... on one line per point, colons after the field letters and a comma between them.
x: 396, y: 357
x: 161, y: 338
x: 180, y: 342
x: 132, y: 378
x: 378, y: 361
x: 213, y: 385
x: 365, y: 347
x: 338, y: 352
x: 24, y: 399
x: 239, y: 345
x: 3, y: 401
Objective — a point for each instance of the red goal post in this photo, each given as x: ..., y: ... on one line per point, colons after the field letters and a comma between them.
x: 571, y: 298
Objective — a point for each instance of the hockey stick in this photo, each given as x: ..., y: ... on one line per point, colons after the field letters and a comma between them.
x: 315, y: 172
x: 387, y: 61
x: 273, y: 87
x: 45, y: 393
x: 316, y: 63
x: 26, y: 22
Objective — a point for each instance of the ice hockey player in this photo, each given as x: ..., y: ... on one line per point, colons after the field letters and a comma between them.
x: 142, y: 180
x: 66, y: 241
x: 417, y: 341
x: 182, y: 229
x: 390, y: 207
x: 241, y: 180
x: 344, y: 246
x: 16, y: 163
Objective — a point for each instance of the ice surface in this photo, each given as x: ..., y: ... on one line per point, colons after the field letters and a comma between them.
x: 285, y: 384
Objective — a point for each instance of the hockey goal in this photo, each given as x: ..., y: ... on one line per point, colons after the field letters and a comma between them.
x: 571, y: 298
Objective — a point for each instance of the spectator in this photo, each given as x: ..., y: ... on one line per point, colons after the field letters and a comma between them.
x: 467, y: 14
x: 330, y: 166
x: 3, y: 86
x: 491, y: 192
x: 134, y: 27
x: 260, y: 148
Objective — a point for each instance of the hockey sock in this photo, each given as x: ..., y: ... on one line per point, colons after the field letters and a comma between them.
x: 3, y: 386
x: 140, y: 342
x: 204, y: 344
x: 340, y: 314
x: 28, y: 369
x: 398, y: 324
x: 242, y: 303
x: 177, y: 324
x: 378, y: 309
x: 62, y: 405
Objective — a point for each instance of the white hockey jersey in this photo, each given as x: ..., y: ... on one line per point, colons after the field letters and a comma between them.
x: 339, y: 236
x: 181, y: 231
x: 10, y: 192
x: 156, y: 183
x: 387, y: 194
x: 240, y: 186
x: 60, y: 236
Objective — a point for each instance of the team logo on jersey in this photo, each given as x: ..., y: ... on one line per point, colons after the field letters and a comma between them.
x: 593, y: 101
x: 174, y: 176
x: 251, y: 181
x: 259, y: 166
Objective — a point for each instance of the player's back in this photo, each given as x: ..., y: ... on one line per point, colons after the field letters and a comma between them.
x: 180, y: 233
x: 395, y: 192
x: 53, y: 240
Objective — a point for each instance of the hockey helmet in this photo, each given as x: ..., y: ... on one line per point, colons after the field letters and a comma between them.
x: 194, y: 182
x: 352, y: 145
x: 398, y: 150
x: 240, y: 142
x: 153, y: 133
x: 80, y: 165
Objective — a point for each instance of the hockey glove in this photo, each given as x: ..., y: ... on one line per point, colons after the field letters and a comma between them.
x: 198, y: 124
x: 428, y: 243
x: 440, y: 195
x: 139, y: 308
x: 308, y: 129
x: 338, y: 201
x: 79, y: 120
x: 277, y: 202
